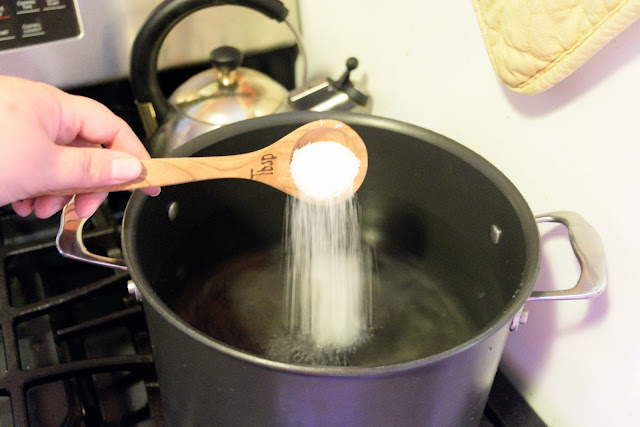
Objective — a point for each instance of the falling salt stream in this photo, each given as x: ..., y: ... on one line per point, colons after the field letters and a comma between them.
x: 328, y: 295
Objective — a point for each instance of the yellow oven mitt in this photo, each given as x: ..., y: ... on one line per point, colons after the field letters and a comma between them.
x: 534, y: 44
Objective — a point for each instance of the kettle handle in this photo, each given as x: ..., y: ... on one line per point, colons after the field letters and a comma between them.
x: 153, y: 106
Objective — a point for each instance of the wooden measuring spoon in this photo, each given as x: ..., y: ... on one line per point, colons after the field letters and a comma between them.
x: 269, y: 165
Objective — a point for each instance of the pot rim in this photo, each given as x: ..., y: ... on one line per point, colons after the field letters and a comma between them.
x: 521, y: 208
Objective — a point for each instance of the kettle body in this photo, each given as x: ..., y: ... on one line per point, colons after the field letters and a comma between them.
x: 227, y: 92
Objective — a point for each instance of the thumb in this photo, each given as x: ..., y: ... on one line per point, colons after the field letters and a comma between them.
x: 94, y: 167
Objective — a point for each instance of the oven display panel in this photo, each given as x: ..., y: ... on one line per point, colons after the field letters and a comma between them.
x: 31, y: 22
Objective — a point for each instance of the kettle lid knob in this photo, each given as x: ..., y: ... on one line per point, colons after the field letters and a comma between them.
x: 226, y: 58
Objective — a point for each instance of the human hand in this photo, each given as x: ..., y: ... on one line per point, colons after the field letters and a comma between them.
x: 52, y: 140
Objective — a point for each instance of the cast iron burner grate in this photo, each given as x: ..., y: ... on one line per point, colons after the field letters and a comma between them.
x: 74, y: 348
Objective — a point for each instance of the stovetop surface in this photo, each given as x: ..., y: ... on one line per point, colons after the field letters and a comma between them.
x: 74, y: 347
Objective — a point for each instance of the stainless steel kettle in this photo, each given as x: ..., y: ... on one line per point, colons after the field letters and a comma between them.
x: 225, y: 93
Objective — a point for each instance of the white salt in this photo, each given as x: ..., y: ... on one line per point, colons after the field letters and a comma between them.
x: 324, y: 170
x: 328, y: 269
x: 328, y: 273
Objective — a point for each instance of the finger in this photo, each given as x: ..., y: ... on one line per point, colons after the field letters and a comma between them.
x: 88, y: 120
x: 91, y: 167
x: 88, y: 204
x: 151, y: 191
x: 46, y: 206
x: 23, y: 207
x: 81, y: 144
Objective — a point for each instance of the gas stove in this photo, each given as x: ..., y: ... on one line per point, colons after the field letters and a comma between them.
x: 76, y: 348
x: 74, y: 344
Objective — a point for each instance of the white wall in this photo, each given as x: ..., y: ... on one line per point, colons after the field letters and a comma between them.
x: 574, y: 147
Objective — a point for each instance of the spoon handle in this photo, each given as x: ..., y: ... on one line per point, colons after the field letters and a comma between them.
x: 268, y: 165
x: 159, y: 172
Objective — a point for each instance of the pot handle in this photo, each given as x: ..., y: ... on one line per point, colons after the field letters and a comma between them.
x: 70, y: 244
x: 588, y: 248
x: 152, y: 105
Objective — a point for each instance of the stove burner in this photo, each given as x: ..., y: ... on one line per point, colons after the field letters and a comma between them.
x: 74, y: 343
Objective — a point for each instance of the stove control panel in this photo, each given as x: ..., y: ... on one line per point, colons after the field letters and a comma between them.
x: 31, y: 22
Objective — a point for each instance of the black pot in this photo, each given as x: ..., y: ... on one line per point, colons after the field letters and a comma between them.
x: 425, y: 197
